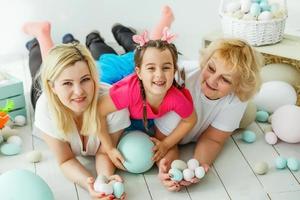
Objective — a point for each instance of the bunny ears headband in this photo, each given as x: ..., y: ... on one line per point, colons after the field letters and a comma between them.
x: 143, y: 39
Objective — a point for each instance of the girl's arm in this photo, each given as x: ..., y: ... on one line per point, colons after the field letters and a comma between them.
x: 183, y: 128
x: 209, y: 145
x: 107, y: 106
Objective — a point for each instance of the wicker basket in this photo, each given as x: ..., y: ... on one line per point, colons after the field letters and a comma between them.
x: 257, y: 33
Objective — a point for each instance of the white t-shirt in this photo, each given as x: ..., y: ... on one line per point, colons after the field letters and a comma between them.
x: 223, y: 114
x: 44, y: 122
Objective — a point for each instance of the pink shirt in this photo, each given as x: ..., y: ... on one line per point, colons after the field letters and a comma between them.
x: 127, y: 94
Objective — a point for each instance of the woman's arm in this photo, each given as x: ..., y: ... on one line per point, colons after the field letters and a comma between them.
x: 184, y: 127
x: 209, y: 145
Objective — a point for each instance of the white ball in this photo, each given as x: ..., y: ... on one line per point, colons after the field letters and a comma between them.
x: 285, y: 123
x: 193, y: 164
x: 199, y: 172
x: 103, y: 187
x: 270, y: 138
x: 20, y: 120
x: 188, y: 174
x: 34, y: 156
x: 270, y: 96
x: 14, y: 139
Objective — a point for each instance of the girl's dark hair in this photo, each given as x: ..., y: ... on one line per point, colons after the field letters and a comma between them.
x: 138, y: 59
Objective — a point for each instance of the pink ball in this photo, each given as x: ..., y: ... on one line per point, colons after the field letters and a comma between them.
x: 285, y: 123
x: 271, y: 138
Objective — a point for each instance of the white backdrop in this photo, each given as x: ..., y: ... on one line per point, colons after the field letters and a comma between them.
x: 194, y: 19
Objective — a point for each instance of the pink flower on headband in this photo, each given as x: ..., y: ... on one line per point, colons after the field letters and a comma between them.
x: 167, y: 36
x: 141, y: 39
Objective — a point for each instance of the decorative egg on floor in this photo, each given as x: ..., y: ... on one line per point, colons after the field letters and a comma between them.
x: 261, y: 168
x: 280, y: 162
x: 271, y: 138
x: 248, y: 136
x: 14, y: 139
x: 20, y: 120
x: 136, y: 148
x: 25, y: 185
x: 193, y: 164
x: 293, y: 164
x: 179, y: 164
x: 199, y: 172
x: 10, y: 149
x: 118, y: 189
x: 34, y: 156
x: 285, y: 123
x: 175, y: 174
x: 270, y: 96
x: 262, y: 116
x: 6, y: 132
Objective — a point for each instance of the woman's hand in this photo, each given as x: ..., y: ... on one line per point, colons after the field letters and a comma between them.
x: 117, y: 178
x: 97, y: 195
x: 117, y: 158
x: 195, y: 179
x: 160, y: 149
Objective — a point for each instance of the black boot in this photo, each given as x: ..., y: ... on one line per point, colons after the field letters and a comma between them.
x: 123, y: 36
x: 69, y: 38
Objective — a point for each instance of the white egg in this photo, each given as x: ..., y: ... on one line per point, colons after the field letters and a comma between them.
x: 34, y: 156
x: 193, y: 164
x: 265, y: 16
x: 20, y: 120
x: 14, y: 139
x: 188, y: 174
x: 245, y: 5
x: 199, y: 172
x: 103, y: 187
x: 179, y: 164
x: 233, y: 6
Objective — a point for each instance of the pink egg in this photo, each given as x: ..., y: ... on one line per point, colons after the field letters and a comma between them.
x: 271, y: 138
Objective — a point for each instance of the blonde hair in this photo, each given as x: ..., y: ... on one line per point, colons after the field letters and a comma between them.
x: 59, y: 58
x: 245, y: 64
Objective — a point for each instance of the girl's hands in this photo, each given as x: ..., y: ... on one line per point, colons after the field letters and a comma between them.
x: 117, y: 158
x: 160, y: 149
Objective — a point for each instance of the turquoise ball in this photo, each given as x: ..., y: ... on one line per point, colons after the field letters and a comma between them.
x: 293, y: 164
x: 136, y: 148
x: 264, y: 5
x: 175, y: 174
x: 25, y: 185
x: 280, y: 162
x: 248, y: 136
x: 118, y: 189
x: 262, y: 116
x: 10, y: 149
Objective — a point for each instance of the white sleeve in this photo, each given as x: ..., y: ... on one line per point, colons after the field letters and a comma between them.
x: 167, y: 123
x: 228, y: 119
x: 118, y: 120
x: 43, y: 120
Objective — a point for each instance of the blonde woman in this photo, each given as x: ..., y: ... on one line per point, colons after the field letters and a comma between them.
x: 67, y: 114
x: 227, y: 78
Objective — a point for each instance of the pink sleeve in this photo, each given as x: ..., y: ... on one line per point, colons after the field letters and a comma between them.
x: 119, y: 94
x: 184, y: 103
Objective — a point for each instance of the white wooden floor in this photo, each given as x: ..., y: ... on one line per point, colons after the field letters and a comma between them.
x: 231, y: 176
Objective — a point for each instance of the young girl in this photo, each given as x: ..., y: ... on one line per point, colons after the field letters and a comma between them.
x: 148, y: 94
x: 227, y: 79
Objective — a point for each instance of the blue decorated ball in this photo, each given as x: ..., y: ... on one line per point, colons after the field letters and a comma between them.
x: 25, y: 185
x: 248, y: 136
x: 136, y: 148
x: 280, y: 162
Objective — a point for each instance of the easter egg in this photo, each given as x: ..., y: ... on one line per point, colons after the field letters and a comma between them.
x: 270, y: 96
x: 255, y: 9
x: 193, y: 164
x: 280, y: 162
x: 188, y: 174
x: 248, y: 136
x: 271, y: 138
x: 175, y: 174
x: 118, y: 189
x: 34, y: 156
x: 14, y: 139
x: 179, y: 164
x: 262, y: 116
x: 136, y: 148
x: 25, y: 185
x: 285, y: 123
x: 20, y: 120
x: 293, y: 164
x: 103, y: 187
x: 199, y: 172
x: 10, y: 149
x: 261, y: 168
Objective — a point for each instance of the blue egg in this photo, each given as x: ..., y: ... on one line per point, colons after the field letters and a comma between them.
x: 136, y: 147
x: 255, y: 9
x: 264, y: 5
x: 25, y: 185
x: 175, y: 174
x: 262, y: 116
x: 257, y: 1
x: 118, y: 188
x: 10, y: 149
x: 293, y: 164
x: 274, y: 8
x: 280, y: 162
x: 248, y: 136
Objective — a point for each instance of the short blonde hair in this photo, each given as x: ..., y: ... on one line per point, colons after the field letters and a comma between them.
x: 245, y: 64
x: 59, y: 58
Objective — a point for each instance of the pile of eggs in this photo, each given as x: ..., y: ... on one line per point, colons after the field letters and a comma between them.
x: 186, y: 171
x: 102, y: 184
x: 260, y: 10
